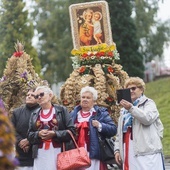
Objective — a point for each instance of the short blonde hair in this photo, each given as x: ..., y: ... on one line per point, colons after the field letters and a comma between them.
x: 136, y: 81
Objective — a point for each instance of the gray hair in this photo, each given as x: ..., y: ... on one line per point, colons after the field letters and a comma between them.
x: 45, y: 88
x: 92, y: 90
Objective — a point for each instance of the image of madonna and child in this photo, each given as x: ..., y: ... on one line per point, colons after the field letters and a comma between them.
x: 138, y: 143
x: 89, y: 120
x: 48, y: 129
x: 91, y: 29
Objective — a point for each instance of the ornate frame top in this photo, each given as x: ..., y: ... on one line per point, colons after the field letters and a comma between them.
x: 87, y: 32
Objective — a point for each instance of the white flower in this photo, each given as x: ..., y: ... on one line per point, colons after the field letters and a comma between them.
x: 93, y: 57
x: 76, y: 62
x: 98, y: 65
x: 116, y: 55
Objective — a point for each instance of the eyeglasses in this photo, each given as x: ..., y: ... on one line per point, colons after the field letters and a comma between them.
x: 133, y: 88
x: 39, y: 95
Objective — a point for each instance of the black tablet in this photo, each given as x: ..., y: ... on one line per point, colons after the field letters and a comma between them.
x: 123, y: 94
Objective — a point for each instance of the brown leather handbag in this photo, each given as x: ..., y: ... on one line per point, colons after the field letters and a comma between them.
x: 73, y: 159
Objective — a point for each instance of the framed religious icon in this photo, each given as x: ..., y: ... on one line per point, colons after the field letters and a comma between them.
x: 90, y: 24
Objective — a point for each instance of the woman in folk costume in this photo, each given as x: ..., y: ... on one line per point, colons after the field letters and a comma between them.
x: 138, y: 143
x: 48, y: 129
x: 90, y: 118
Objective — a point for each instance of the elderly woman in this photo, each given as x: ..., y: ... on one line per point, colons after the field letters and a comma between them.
x: 88, y: 119
x: 48, y: 129
x: 138, y: 142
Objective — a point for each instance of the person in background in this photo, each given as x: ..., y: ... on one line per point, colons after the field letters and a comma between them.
x: 20, y: 119
x: 138, y: 143
x: 88, y: 119
x: 48, y: 129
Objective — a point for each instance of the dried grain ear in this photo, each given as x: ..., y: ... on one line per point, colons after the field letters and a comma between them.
x: 19, y: 46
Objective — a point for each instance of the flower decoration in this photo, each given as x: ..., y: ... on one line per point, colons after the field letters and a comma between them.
x: 3, y: 79
x: 24, y: 75
x: 19, y: 47
x: 75, y: 62
x: 98, y: 54
x: 108, y: 69
x: 1, y: 104
x: 18, y: 54
x: 110, y: 101
x: 84, y: 70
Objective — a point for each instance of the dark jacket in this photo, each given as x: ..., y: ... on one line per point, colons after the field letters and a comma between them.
x: 64, y: 124
x: 20, y: 119
x: 109, y: 129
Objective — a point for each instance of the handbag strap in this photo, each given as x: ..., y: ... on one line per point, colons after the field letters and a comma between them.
x: 72, y: 137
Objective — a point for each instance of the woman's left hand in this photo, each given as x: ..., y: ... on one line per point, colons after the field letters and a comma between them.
x: 95, y: 123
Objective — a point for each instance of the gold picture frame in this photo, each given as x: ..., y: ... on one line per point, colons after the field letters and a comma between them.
x: 90, y: 24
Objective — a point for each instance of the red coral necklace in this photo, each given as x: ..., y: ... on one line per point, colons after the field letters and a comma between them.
x: 84, y: 115
x: 46, y: 116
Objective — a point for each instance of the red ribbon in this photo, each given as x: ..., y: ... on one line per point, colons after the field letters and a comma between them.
x: 81, y: 139
x: 126, y: 141
x: 47, y: 143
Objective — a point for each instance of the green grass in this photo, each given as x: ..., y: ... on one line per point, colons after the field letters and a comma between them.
x: 159, y: 91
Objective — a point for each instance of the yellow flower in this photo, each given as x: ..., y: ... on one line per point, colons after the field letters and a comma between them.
x: 113, y: 47
x: 75, y: 52
x: 104, y: 45
x: 96, y: 48
x: 85, y: 49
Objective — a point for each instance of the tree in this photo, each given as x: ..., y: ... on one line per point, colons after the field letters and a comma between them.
x: 55, y: 42
x: 125, y: 36
x: 153, y: 34
x: 56, y: 45
x: 15, y: 25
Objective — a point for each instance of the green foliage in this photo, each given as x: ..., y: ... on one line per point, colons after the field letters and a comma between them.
x: 137, y: 38
x: 153, y: 34
x: 53, y: 25
x: 54, y: 38
x: 15, y: 25
x: 125, y: 36
x: 159, y: 91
